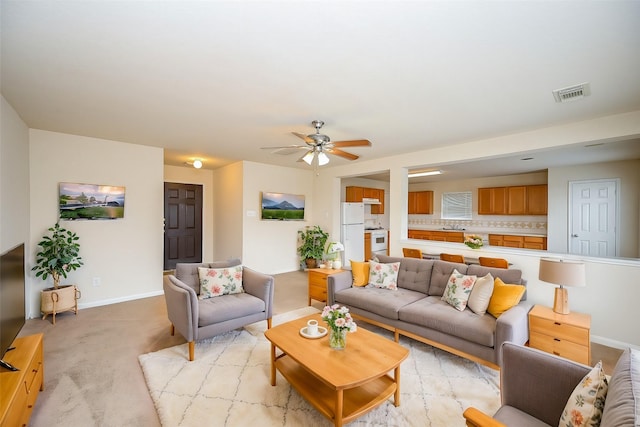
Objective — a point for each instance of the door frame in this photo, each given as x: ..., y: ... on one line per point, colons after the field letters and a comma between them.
x: 616, y: 182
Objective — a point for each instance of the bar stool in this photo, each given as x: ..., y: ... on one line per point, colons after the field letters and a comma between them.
x: 493, y: 262
x: 412, y: 253
x: 452, y: 258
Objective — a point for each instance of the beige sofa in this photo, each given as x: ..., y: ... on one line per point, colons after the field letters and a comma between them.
x: 416, y: 310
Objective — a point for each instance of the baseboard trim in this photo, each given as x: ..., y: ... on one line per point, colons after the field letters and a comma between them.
x: 613, y: 343
x: 121, y: 299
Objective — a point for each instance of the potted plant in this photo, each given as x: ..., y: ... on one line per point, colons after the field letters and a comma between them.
x: 312, y: 241
x: 58, y: 255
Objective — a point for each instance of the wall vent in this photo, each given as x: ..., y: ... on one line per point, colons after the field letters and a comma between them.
x: 572, y: 93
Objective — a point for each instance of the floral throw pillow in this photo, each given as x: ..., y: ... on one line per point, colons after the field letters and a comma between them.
x: 220, y: 281
x: 458, y: 290
x: 585, y: 406
x: 384, y: 275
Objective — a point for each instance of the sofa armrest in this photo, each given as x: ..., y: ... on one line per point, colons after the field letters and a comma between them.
x: 336, y: 283
x: 536, y: 382
x: 182, y: 306
x: 261, y: 286
x: 476, y: 418
x: 512, y: 326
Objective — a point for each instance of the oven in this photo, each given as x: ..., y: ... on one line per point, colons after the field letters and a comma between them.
x: 378, y: 242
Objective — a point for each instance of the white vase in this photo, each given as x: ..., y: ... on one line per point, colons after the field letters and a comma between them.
x: 337, y: 264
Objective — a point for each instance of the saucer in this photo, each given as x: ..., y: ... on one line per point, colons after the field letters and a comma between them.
x: 321, y: 332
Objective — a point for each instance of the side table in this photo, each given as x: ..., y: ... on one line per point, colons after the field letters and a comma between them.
x: 565, y: 335
x: 318, y: 283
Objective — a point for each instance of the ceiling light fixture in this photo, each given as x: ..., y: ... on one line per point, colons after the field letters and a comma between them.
x: 323, y: 159
x: 426, y: 173
x: 308, y: 158
x: 197, y: 163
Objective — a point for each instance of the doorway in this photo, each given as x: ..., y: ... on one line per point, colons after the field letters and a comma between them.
x: 182, y: 224
x: 593, y: 217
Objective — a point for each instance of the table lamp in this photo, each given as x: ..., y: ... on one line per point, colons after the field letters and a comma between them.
x: 563, y: 273
x: 333, y: 250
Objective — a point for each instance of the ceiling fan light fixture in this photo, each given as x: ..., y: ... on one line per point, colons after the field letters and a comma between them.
x: 308, y: 158
x: 323, y: 159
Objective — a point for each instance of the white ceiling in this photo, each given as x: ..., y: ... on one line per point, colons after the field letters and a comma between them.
x: 220, y: 79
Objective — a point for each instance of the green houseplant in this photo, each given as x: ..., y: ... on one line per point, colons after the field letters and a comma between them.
x: 59, y: 254
x: 311, y: 244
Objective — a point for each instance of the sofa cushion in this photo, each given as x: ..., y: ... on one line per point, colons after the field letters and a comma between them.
x: 440, y: 275
x: 585, y: 405
x: 433, y: 313
x: 504, y: 297
x: 378, y: 301
x: 507, y: 275
x: 414, y: 274
x: 458, y: 289
x: 215, y: 282
x: 481, y: 294
x: 228, y: 307
x: 384, y: 276
x: 360, y: 273
x: 187, y: 272
x: 510, y: 416
x: 622, y: 407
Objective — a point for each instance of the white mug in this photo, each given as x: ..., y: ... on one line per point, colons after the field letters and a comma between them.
x: 312, y: 327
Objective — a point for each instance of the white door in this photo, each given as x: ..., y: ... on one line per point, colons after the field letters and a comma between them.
x: 593, y: 218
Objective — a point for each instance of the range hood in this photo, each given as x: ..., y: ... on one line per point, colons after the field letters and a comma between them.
x: 370, y: 201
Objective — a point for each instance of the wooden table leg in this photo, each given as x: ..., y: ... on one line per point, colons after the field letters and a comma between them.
x: 339, y: 408
x: 273, y: 364
x: 396, y: 395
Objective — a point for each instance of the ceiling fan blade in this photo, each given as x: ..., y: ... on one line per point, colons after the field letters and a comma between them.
x: 353, y: 143
x: 285, y: 146
x: 344, y: 154
x: 305, y: 137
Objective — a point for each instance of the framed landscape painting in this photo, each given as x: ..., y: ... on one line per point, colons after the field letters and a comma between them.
x: 282, y: 206
x: 90, y: 201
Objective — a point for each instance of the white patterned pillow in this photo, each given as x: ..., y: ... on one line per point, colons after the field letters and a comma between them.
x: 458, y: 290
x: 384, y: 275
x: 586, y: 403
x: 220, y: 281
x: 481, y: 294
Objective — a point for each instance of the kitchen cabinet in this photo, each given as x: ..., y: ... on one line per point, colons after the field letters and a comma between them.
x: 367, y: 246
x: 437, y: 235
x: 420, y: 202
x: 356, y: 194
x: 515, y: 200
x: 517, y: 241
x: 492, y: 201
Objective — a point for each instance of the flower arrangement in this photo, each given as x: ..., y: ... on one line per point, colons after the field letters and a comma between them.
x: 473, y: 241
x: 340, y: 322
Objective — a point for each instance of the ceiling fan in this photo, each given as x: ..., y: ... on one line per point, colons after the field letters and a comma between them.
x: 319, y: 145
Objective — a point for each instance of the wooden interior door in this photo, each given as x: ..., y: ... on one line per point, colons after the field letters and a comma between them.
x: 182, y: 224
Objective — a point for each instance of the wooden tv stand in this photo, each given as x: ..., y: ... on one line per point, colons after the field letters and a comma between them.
x: 20, y: 388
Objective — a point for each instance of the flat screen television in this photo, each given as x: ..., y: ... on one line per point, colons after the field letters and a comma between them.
x: 12, y: 297
x: 282, y: 206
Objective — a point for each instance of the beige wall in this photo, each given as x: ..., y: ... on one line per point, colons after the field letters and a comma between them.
x: 204, y: 177
x: 228, y: 199
x: 125, y: 254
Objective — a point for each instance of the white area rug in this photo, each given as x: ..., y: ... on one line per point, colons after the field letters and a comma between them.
x: 228, y: 385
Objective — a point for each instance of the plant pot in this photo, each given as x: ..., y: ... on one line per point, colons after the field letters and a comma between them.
x: 53, y: 301
x: 311, y: 262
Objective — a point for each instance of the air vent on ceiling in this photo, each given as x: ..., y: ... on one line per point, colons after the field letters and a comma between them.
x: 572, y: 93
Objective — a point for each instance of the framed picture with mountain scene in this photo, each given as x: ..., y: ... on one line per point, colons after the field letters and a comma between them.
x: 282, y: 206
x: 90, y: 201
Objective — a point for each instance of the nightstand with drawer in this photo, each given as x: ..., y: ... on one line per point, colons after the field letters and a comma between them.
x: 565, y: 335
x: 318, y: 283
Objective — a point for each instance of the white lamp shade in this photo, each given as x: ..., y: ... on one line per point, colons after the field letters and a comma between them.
x: 323, y: 159
x: 308, y: 158
x: 560, y: 272
x: 335, y: 247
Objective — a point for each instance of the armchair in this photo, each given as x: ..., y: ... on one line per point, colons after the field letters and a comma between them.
x: 535, y: 387
x: 197, y: 319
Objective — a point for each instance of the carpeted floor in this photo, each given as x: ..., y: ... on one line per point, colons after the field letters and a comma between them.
x: 228, y: 385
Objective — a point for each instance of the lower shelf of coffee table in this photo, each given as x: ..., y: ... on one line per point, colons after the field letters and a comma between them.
x: 357, y: 401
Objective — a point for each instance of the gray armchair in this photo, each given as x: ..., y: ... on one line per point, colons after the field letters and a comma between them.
x: 535, y: 387
x: 197, y: 319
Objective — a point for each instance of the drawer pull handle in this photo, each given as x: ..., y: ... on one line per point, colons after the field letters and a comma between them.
x: 556, y: 353
x: 557, y: 323
x: 557, y: 339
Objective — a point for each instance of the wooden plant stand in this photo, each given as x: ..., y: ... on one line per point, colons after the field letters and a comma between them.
x: 53, y: 301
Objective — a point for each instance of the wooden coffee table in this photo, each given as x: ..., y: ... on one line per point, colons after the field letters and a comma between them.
x: 341, y: 384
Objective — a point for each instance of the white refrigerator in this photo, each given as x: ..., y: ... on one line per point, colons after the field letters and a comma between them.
x: 352, y: 232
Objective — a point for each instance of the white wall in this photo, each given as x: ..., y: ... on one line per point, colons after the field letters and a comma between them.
x: 610, y: 296
x: 629, y: 194
x: 14, y: 179
x: 228, y: 225
x: 125, y: 254
x: 204, y: 177
x: 271, y: 246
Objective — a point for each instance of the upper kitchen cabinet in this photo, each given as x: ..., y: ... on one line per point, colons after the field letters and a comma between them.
x: 357, y: 194
x: 517, y: 200
x: 420, y: 202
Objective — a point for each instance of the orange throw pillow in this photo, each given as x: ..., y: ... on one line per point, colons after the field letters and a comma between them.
x: 504, y: 297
